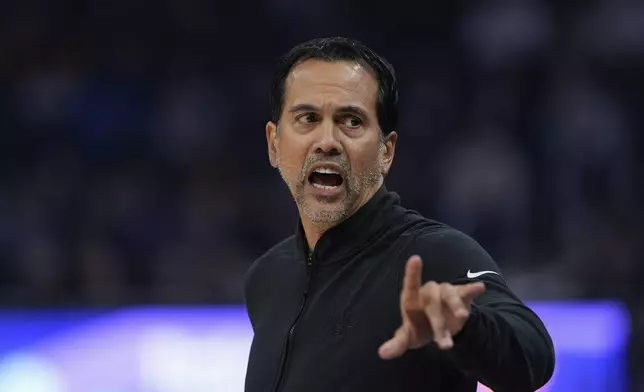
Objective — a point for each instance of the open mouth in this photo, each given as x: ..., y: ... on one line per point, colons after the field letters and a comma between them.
x: 325, y: 178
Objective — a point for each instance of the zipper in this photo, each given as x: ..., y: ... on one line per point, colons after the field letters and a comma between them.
x: 291, y: 331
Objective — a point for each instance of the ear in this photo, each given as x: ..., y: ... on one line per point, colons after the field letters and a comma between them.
x: 389, y: 151
x: 271, y: 140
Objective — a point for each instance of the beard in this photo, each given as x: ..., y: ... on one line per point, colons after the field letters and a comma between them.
x: 328, y: 212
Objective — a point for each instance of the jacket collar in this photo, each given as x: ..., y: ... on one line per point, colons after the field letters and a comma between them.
x: 354, y: 233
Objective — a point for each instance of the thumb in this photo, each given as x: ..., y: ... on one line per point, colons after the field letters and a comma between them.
x: 397, y: 345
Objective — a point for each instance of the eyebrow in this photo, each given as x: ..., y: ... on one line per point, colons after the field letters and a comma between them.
x: 348, y: 109
x: 303, y: 108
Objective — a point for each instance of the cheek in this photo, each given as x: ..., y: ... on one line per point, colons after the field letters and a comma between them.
x: 290, y: 158
x: 366, y: 161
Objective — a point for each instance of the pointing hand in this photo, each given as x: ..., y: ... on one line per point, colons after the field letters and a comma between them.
x: 431, y: 312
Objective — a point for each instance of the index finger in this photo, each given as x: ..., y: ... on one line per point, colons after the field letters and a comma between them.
x: 412, y: 280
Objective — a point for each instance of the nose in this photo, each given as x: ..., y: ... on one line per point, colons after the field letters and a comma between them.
x: 328, y: 143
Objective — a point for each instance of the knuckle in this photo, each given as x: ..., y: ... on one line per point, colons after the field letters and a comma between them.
x: 462, y: 313
x: 426, y: 296
x: 455, y: 303
x: 430, y: 293
x: 431, y: 285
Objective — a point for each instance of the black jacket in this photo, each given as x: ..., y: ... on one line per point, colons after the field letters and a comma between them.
x: 319, y: 317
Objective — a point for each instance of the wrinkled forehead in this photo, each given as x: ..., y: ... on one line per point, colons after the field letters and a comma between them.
x: 325, y: 83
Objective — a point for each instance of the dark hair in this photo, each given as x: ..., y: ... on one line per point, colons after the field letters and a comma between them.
x: 340, y: 49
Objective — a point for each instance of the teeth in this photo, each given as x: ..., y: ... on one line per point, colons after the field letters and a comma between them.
x: 325, y: 170
x: 325, y: 187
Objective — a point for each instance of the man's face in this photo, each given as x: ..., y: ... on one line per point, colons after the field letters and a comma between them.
x: 328, y: 145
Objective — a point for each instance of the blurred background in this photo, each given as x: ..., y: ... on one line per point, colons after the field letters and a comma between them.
x: 134, y: 167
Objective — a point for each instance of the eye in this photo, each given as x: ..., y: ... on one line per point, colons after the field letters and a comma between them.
x: 351, y: 122
x: 307, y: 118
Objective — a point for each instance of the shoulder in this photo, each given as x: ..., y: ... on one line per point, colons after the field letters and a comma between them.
x: 268, y: 262
x: 284, y: 250
x: 448, y: 240
x: 448, y: 254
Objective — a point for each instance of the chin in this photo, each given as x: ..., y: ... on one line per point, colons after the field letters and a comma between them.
x: 325, y: 214
x: 324, y: 208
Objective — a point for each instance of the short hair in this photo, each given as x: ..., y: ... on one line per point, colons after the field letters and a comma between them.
x: 340, y: 49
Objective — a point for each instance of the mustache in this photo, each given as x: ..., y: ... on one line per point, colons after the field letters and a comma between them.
x: 341, y: 161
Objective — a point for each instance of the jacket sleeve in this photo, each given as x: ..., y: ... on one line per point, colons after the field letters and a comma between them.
x: 503, y: 344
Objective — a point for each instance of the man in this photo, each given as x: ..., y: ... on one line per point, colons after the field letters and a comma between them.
x: 368, y: 295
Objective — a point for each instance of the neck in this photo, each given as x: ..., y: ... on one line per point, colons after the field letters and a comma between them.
x: 313, y: 231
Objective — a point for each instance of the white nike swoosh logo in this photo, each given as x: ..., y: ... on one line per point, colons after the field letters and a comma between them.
x: 473, y: 275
